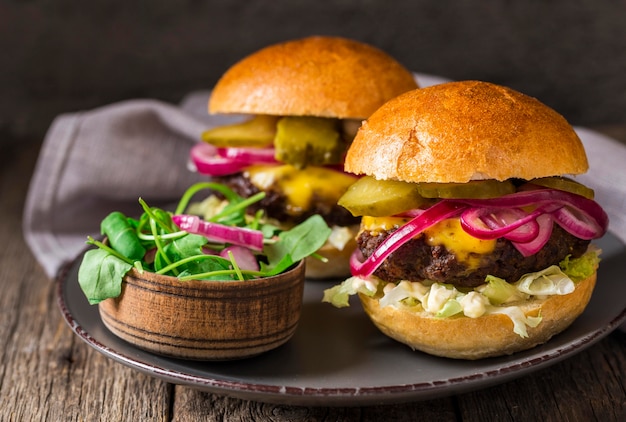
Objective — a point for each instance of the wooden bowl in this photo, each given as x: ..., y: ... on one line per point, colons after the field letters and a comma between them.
x: 206, y: 320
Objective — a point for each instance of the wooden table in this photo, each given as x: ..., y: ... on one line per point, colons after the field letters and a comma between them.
x: 47, y: 373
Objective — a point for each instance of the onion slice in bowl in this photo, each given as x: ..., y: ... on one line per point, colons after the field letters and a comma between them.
x: 244, y: 258
x: 241, y: 236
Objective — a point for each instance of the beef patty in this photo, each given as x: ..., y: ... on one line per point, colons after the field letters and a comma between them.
x: 416, y: 260
x: 275, y: 207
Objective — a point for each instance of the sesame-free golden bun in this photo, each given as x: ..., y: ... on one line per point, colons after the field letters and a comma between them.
x: 461, y: 131
x: 316, y: 76
x: 321, y: 76
x: 454, y: 133
x: 490, y: 335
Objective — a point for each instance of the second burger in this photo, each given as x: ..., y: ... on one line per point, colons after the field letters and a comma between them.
x: 303, y: 101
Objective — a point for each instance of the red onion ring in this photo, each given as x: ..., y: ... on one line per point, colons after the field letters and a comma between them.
x: 242, y: 236
x: 249, y: 155
x: 499, y: 217
x: 244, y: 258
x: 206, y: 161
x: 543, y: 235
x: 577, y: 222
x: 438, y: 212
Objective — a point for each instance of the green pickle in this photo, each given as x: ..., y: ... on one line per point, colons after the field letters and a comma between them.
x: 380, y: 198
x: 256, y: 132
x: 475, y: 189
x: 564, y: 184
x: 302, y: 141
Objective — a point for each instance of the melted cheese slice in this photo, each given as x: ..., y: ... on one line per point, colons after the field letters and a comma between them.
x: 447, y: 233
x: 301, y: 187
x: 376, y: 224
x: 467, y: 248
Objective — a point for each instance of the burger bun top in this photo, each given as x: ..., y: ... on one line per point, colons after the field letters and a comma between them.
x: 315, y: 76
x: 461, y: 131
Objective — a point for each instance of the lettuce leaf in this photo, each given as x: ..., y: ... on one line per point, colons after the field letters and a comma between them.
x: 551, y: 281
x: 498, y: 291
x: 520, y: 320
x: 580, y: 268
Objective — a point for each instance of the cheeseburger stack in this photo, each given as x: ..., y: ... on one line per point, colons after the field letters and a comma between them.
x: 305, y: 100
x: 473, y: 241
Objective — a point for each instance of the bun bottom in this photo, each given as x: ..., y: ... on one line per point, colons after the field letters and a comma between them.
x: 486, y: 336
x: 337, y: 266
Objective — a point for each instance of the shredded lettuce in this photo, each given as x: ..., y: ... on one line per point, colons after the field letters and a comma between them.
x: 396, y: 295
x: 520, y: 320
x: 438, y: 296
x: 450, y: 307
x: 445, y: 301
x: 498, y: 291
x: 339, y: 295
x: 551, y: 281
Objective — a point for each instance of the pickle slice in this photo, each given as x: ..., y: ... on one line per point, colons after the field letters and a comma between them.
x: 256, y: 132
x: 380, y: 198
x: 305, y: 140
x: 565, y: 184
x: 475, y: 189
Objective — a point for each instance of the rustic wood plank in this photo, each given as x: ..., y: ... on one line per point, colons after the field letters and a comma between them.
x: 588, y: 386
x: 191, y: 405
x: 46, y: 372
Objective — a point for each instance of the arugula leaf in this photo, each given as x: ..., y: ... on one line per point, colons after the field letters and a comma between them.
x: 100, y: 275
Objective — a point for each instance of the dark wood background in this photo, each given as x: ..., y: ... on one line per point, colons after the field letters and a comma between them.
x: 62, y: 55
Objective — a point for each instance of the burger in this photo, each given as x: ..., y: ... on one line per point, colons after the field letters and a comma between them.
x: 475, y: 239
x: 302, y: 102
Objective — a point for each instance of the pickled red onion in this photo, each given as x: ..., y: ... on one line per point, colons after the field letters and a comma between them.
x: 249, y: 155
x: 206, y: 160
x: 213, y: 161
x: 438, y: 212
x: 543, y: 235
x: 499, y: 217
x: 513, y: 224
x: 578, y: 223
x: 253, y: 239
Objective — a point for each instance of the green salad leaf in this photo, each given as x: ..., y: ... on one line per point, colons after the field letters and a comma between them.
x: 100, y: 275
x: 296, y: 244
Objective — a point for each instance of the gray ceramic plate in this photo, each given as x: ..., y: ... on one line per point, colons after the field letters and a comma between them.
x: 337, y: 357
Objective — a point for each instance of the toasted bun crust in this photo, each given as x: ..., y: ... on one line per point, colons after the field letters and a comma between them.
x: 477, y: 338
x: 317, y: 76
x: 461, y: 131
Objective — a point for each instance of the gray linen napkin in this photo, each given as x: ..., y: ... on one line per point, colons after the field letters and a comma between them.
x: 98, y: 161
x: 94, y: 162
